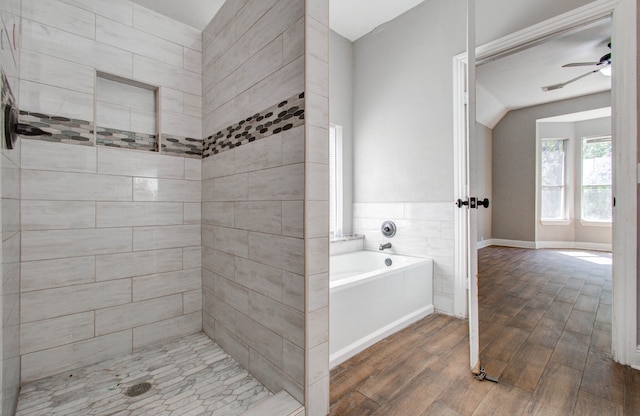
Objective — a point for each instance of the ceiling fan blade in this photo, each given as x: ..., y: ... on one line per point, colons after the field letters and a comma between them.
x: 564, y: 84
x: 580, y: 64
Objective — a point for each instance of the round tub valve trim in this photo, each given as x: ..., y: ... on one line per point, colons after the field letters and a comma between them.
x: 388, y: 229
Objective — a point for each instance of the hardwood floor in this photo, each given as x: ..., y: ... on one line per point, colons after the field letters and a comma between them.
x: 545, y: 331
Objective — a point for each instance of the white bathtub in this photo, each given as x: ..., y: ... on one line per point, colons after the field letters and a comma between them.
x: 369, y: 300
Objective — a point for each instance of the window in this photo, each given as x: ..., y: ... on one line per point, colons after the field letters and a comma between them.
x: 596, y: 179
x: 335, y: 180
x: 553, y: 179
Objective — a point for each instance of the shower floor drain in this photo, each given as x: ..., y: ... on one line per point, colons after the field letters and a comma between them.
x: 138, y: 389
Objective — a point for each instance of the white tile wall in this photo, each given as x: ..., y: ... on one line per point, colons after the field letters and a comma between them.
x: 136, y: 41
x: 67, y: 186
x: 316, y: 33
x: 134, y: 163
x: 45, y: 69
x: 47, y: 99
x: 45, y: 363
x: 58, y: 157
x: 48, y: 40
x: 424, y: 230
x: 253, y: 196
x: 118, y: 10
x: 49, y: 274
x: 166, y: 28
x: 66, y: 40
x: 107, y: 255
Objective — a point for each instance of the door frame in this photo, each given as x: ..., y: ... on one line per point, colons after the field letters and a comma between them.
x: 625, y: 183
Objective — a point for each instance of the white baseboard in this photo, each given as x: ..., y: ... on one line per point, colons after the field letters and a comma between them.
x: 573, y: 245
x: 637, y: 366
x: 484, y: 243
x: 568, y: 245
x: 509, y: 243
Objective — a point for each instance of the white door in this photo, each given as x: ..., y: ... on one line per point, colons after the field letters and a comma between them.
x: 471, y: 208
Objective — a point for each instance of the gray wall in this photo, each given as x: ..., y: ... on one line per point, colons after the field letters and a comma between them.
x: 481, y: 167
x: 341, y: 113
x: 403, y: 122
x: 514, y: 164
x: 403, y: 104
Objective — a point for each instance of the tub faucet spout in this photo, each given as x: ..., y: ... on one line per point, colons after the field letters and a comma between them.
x: 383, y: 246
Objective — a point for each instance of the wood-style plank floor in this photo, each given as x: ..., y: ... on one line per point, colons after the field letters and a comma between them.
x: 545, y: 325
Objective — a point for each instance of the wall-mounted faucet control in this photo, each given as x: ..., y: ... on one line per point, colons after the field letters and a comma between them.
x: 383, y: 246
x: 388, y: 229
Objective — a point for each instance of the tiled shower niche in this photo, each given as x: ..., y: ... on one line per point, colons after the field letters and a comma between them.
x: 126, y: 113
x: 127, y: 117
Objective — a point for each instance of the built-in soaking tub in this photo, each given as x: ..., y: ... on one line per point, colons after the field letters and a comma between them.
x: 370, y: 300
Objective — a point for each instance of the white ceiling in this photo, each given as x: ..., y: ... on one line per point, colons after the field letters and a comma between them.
x: 355, y: 18
x: 195, y: 13
x: 351, y: 18
x: 516, y: 81
x: 511, y: 82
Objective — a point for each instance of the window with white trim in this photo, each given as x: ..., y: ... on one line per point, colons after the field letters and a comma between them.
x: 335, y: 180
x: 596, y: 199
x: 553, y: 182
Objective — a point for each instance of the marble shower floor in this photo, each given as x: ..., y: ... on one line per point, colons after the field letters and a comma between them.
x: 190, y: 376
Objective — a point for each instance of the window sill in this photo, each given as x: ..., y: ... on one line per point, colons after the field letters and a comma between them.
x: 346, y: 237
x: 555, y: 222
x: 596, y: 224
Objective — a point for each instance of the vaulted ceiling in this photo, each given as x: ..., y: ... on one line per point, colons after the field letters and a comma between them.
x: 514, y: 81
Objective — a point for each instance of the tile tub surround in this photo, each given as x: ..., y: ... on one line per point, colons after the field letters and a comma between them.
x: 192, y: 375
x: 425, y: 229
x: 111, y: 253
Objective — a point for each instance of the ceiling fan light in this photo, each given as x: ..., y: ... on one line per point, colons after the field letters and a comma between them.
x: 606, y: 71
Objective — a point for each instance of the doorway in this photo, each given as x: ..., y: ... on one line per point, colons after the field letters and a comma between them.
x: 625, y: 192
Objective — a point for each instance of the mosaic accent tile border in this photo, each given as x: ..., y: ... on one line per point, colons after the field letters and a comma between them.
x: 283, y: 116
x: 182, y: 146
x: 73, y: 131
x: 126, y: 139
x: 63, y: 129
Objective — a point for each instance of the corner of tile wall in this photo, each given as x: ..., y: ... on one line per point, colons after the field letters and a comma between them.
x: 317, y: 207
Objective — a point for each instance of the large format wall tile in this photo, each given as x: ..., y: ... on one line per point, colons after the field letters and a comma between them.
x: 49, y: 274
x: 52, y: 244
x: 44, y: 304
x: 61, y: 15
x: 41, y: 335
x: 135, y: 314
x: 253, y: 187
x: 155, y: 238
x: 41, y: 155
x: 111, y: 242
x: 47, y: 40
x: 67, y: 357
x: 138, y: 263
x: 56, y: 215
x: 118, y: 10
x: 67, y: 186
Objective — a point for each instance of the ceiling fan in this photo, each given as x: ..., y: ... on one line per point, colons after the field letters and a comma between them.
x: 603, y: 65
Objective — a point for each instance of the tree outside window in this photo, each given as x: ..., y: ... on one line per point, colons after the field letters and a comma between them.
x: 596, y: 179
x: 553, y: 179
